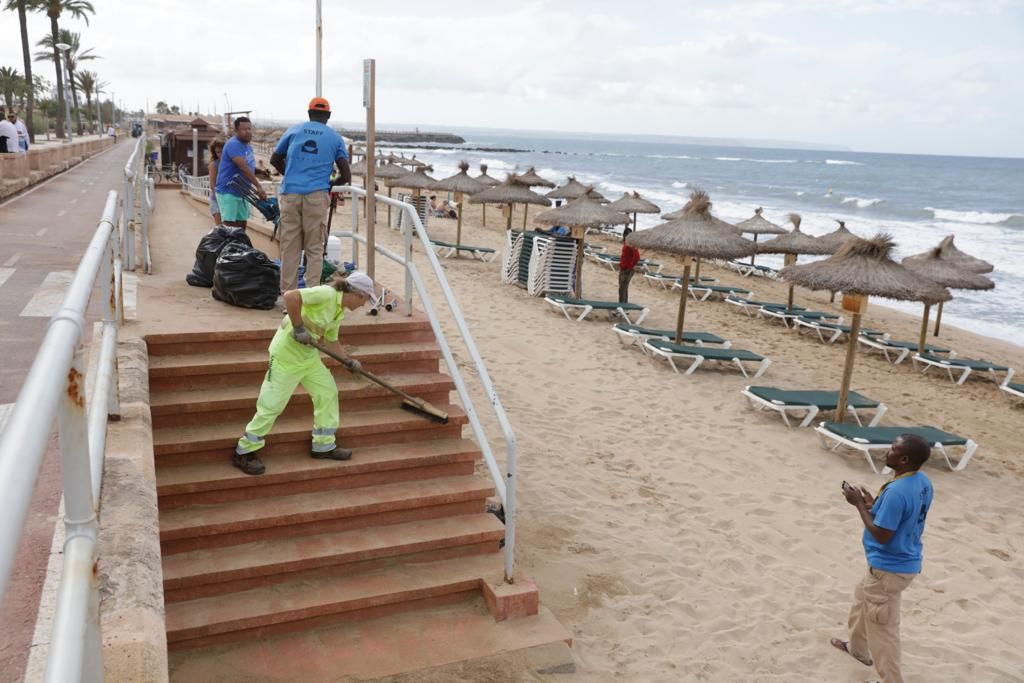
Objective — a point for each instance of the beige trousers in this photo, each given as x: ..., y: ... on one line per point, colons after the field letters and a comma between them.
x: 875, y: 621
x: 303, y: 219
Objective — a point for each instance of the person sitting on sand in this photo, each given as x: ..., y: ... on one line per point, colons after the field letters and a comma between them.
x: 893, y: 525
x: 441, y: 209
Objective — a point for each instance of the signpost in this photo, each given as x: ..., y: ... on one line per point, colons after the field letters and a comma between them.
x: 369, y: 83
x: 319, y: 50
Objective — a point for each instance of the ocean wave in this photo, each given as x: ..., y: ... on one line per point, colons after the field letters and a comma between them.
x: 862, y: 203
x: 728, y: 159
x: 670, y: 156
x: 497, y: 164
x: 772, y: 161
x: 982, y: 217
x: 799, y: 193
x: 680, y: 185
x: 842, y: 162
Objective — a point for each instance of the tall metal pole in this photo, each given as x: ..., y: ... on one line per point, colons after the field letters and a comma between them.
x: 99, y: 116
x: 319, y: 50
x: 67, y: 89
x: 195, y: 152
x: 369, y: 95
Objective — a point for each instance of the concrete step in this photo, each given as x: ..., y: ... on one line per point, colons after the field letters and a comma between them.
x: 217, y: 571
x: 236, y: 367
x: 237, y: 522
x: 356, y: 330
x: 389, y: 646
x: 296, y: 472
x: 287, y: 607
x: 201, y: 405
x: 177, y: 445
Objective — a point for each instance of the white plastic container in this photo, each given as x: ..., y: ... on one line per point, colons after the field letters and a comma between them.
x: 334, y: 250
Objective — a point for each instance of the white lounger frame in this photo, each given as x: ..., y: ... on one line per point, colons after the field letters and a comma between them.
x: 785, y: 409
x: 964, y: 371
x: 445, y: 251
x: 698, y: 360
x: 708, y: 292
x: 1010, y: 392
x: 785, y: 316
x: 749, y: 309
x: 585, y: 310
x: 834, y: 333
x: 631, y: 338
x: 880, y: 344
x: 866, y: 447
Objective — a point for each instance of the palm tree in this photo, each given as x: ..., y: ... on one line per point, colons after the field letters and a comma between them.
x: 72, y: 57
x: 11, y: 84
x: 21, y: 6
x: 88, y: 82
x: 78, y: 9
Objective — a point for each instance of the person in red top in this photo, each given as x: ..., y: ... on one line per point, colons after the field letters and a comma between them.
x: 627, y: 264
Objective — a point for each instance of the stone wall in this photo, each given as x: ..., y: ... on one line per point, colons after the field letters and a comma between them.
x: 18, y: 171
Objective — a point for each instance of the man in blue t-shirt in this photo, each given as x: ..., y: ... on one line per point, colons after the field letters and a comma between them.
x: 237, y: 161
x: 305, y: 156
x: 893, y: 525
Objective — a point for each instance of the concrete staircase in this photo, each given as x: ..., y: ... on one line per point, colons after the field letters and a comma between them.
x: 316, y: 560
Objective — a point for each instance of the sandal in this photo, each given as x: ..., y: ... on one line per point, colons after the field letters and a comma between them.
x: 843, y: 646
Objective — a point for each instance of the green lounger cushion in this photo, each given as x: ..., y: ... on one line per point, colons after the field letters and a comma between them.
x: 825, y: 400
x: 721, y: 288
x: 912, y: 345
x: 836, y: 326
x: 709, y: 353
x: 663, y: 276
x: 687, y: 336
x: 1016, y: 387
x: 602, y: 305
x: 885, y: 435
x: 761, y: 304
x: 818, y: 315
x: 966, y: 363
x: 465, y: 247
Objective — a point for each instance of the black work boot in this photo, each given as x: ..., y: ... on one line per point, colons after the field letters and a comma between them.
x: 338, y: 453
x: 249, y: 463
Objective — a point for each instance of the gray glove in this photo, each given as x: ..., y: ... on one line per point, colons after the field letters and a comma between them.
x: 353, y: 365
x: 302, y: 336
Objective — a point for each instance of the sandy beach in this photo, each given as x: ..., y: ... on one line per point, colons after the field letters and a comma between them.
x: 681, y: 536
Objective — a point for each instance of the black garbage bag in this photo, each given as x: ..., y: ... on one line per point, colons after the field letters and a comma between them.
x: 246, y: 277
x: 209, y: 249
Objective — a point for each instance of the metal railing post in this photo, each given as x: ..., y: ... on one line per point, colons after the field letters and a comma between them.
x: 407, y: 254
x: 355, y: 230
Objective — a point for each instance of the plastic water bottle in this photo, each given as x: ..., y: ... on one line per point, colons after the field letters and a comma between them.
x: 334, y: 250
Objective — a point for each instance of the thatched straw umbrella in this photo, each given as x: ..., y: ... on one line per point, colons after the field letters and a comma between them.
x: 697, y: 234
x: 460, y: 183
x: 860, y: 269
x: 579, y: 214
x: 634, y: 204
x: 965, y: 261
x: 792, y: 244
x: 510, y: 192
x: 417, y: 181
x: 759, y: 225
x: 933, y: 266
x: 835, y: 239
x: 532, y: 179
x: 358, y: 168
x: 488, y: 181
x: 571, y: 189
x: 389, y: 173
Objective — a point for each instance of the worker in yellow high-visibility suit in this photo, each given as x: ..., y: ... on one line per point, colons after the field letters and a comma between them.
x: 313, y: 314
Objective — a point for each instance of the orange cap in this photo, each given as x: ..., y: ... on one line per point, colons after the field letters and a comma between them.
x: 319, y: 104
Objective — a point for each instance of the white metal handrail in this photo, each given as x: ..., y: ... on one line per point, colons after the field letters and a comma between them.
x: 505, y: 483
x: 136, y: 184
x: 55, y: 388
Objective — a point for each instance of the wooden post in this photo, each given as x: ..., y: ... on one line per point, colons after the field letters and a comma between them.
x: 938, y: 318
x: 507, y: 208
x: 924, y: 329
x: 681, y: 317
x: 369, y: 97
x: 485, y: 214
x: 696, y: 275
x: 526, y: 211
x: 857, y: 304
x: 790, y: 259
x: 458, y: 229
x: 389, y: 207
x: 577, y: 234
x: 754, y: 255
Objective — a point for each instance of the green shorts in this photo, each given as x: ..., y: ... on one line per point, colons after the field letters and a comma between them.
x: 232, y: 207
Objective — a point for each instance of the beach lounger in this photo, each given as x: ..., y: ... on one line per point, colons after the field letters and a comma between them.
x: 867, y: 439
x: 751, y: 307
x: 832, y: 330
x: 1012, y: 389
x: 585, y: 306
x: 810, y: 403
x: 965, y: 366
x: 666, y: 281
x: 447, y: 250
x: 901, y: 349
x: 699, y: 354
x: 634, y: 334
x: 748, y: 269
x: 702, y: 292
x: 788, y: 315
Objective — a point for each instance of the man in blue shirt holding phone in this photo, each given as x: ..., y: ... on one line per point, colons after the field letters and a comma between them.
x: 893, y: 525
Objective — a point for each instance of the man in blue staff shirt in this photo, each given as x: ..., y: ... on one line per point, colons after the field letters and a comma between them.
x: 305, y: 156
x: 893, y: 525
x: 237, y: 160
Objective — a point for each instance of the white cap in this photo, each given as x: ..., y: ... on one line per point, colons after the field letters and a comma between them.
x: 361, y: 282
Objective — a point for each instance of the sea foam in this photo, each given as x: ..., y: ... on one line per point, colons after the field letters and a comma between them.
x: 862, y: 203
x: 982, y: 217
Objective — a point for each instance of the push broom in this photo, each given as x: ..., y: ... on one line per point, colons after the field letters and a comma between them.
x: 414, y: 405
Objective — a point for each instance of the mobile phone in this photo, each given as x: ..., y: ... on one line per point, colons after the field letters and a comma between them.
x: 847, y: 486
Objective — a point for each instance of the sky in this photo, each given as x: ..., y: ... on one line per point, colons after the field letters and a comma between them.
x: 910, y: 76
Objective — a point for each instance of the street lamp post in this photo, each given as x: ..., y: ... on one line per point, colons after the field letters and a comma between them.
x: 64, y: 47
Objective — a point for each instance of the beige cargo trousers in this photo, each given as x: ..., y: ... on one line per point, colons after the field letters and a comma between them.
x: 303, y: 221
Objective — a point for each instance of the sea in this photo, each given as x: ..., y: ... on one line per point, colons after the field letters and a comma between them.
x: 918, y: 199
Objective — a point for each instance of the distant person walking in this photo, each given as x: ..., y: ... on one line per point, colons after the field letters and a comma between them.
x: 216, y: 151
x: 628, y: 261
x: 8, y: 135
x: 305, y: 155
x: 893, y: 525
x: 237, y: 161
x: 22, y: 129
x: 112, y: 132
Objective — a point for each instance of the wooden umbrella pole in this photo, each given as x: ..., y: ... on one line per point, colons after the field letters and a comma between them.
x: 509, y: 228
x: 789, y: 300
x: 938, y: 318
x: 924, y: 328
x: 790, y: 259
x: 485, y: 214
x: 851, y: 352
x: 682, y: 302
x: 634, y: 221
x: 526, y: 211
x: 696, y: 275
x: 458, y: 229
x: 579, y: 264
x: 754, y: 255
x: 389, y: 207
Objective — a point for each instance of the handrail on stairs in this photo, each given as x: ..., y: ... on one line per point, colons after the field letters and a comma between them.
x: 504, y: 482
